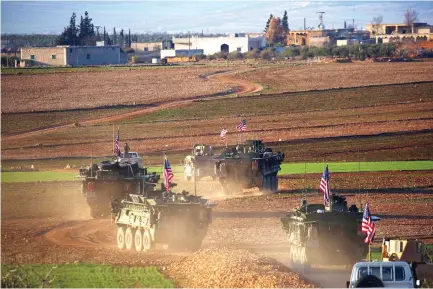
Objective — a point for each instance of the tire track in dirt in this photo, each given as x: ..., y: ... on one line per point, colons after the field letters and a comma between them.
x: 246, y: 87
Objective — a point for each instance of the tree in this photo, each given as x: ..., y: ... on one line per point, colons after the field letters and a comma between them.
x: 114, y: 36
x: 274, y: 34
x: 129, y: 38
x: 267, y: 23
x: 87, y: 30
x: 376, y: 23
x: 285, y: 23
x: 122, y: 38
x: 69, y: 36
x: 410, y: 17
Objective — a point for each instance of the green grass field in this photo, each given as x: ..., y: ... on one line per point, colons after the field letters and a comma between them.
x: 286, y: 169
x: 47, y: 176
x: 84, y: 276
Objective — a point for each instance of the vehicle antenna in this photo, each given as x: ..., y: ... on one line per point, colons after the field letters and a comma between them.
x: 305, y: 185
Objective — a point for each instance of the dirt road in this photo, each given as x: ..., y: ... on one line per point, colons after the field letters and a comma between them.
x: 241, y: 87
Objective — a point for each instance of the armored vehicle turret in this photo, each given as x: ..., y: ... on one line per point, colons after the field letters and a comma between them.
x: 322, y: 235
x: 249, y: 165
x: 177, y: 220
x: 111, y: 181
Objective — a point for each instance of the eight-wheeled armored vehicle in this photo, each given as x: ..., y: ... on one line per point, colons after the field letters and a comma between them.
x: 249, y: 165
x: 111, y: 181
x: 328, y: 235
x: 200, y: 163
x: 177, y: 220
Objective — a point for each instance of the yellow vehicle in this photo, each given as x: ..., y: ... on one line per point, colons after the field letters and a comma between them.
x: 409, y: 250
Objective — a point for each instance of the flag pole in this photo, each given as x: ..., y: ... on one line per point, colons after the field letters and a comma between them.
x: 113, y: 139
x: 195, y: 182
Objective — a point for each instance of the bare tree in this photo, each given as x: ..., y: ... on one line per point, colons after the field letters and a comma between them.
x: 410, y: 16
x: 376, y: 22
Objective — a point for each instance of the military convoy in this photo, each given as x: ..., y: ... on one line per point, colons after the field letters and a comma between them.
x: 320, y: 234
x: 144, y: 215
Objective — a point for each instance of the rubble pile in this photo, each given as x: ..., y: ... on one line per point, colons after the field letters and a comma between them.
x: 232, y: 268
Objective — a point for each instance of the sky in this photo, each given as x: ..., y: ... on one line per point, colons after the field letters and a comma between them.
x: 50, y: 17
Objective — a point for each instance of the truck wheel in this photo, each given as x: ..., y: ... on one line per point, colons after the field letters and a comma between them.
x: 121, y: 238
x: 129, y: 238
x: 369, y: 281
x: 147, y: 241
x: 138, y: 240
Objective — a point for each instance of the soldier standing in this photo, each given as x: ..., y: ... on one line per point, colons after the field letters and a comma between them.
x: 126, y: 150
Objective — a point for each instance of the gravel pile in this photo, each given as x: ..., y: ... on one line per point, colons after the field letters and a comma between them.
x: 232, y: 268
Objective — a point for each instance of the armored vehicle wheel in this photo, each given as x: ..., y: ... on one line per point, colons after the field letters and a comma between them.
x: 138, y: 240
x: 147, y: 241
x: 129, y: 238
x: 121, y: 238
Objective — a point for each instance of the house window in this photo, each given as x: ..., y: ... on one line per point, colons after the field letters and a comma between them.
x: 239, y: 49
x: 53, y: 56
x: 88, y: 56
x: 32, y: 57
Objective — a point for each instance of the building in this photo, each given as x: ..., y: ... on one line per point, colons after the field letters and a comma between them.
x: 211, y: 45
x: 384, y: 33
x: 73, y: 55
x: 146, y: 46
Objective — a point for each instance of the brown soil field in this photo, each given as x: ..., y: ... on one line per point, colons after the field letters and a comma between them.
x: 59, y: 91
x: 337, y: 75
x: 392, y: 116
x: 49, y: 223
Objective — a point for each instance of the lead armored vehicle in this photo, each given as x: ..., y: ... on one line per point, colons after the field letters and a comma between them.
x: 111, y: 181
x: 177, y: 220
x: 325, y: 235
x: 249, y: 165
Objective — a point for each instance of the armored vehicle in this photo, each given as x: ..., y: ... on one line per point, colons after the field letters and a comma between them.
x: 249, y: 165
x: 328, y: 235
x: 200, y: 163
x: 177, y: 220
x: 109, y: 181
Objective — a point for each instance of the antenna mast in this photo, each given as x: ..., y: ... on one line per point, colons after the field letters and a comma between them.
x: 321, y: 25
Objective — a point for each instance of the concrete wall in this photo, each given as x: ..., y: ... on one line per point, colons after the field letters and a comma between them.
x: 43, y: 56
x: 344, y: 42
x: 94, y: 55
x: 146, y: 46
x: 212, y: 45
x: 320, y: 41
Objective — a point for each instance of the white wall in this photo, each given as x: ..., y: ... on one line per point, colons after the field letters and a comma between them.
x: 211, y: 45
x: 167, y: 53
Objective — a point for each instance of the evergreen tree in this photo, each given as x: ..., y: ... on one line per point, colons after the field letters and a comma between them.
x: 122, y: 38
x: 87, y: 30
x: 267, y: 23
x: 129, y: 38
x: 285, y: 23
x: 114, y: 36
x: 69, y: 35
x: 105, y: 35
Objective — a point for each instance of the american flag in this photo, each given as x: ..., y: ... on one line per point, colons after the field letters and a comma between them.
x: 168, y: 174
x: 117, y: 150
x: 324, y: 185
x: 242, y: 126
x: 368, y: 225
x: 223, y: 134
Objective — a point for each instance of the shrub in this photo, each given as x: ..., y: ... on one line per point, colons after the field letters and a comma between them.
x: 235, y: 55
x: 253, y: 54
x: 200, y: 56
x: 267, y: 54
x: 128, y: 50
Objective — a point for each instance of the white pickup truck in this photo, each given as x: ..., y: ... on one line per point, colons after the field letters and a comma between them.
x: 382, y: 274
